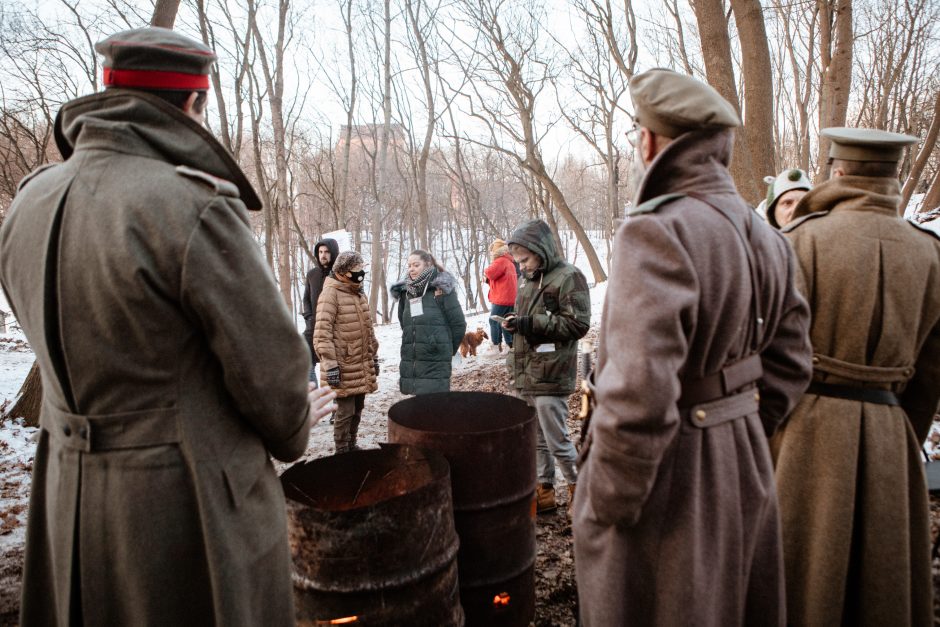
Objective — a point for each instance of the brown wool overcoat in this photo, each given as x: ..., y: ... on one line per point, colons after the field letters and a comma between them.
x: 170, y: 367
x: 850, y: 474
x: 676, y: 519
x: 344, y: 336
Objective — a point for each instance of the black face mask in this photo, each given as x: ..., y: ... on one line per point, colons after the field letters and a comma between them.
x: 357, y: 277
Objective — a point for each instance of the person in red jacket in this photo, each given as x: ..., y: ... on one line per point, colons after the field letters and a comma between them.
x: 502, y: 277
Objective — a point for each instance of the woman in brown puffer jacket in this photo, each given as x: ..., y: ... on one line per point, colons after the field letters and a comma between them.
x: 345, y: 342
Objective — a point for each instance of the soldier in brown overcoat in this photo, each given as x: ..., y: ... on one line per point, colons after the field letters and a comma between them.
x: 171, y: 367
x: 703, y: 350
x: 849, y: 472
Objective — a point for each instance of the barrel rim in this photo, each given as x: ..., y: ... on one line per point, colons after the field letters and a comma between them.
x: 427, y: 398
x: 437, y: 462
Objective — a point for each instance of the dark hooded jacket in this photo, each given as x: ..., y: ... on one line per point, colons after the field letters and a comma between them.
x: 171, y: 368
x: 555, y: 308
x: 429, y: 341
x: 312, y: 288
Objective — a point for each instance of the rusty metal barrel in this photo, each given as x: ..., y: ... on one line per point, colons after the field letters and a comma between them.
x: 372, y: 539
x: 489, y: 440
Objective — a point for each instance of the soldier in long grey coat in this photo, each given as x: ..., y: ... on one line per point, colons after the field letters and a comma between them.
x: 703, y: 350
x: 171, y: 367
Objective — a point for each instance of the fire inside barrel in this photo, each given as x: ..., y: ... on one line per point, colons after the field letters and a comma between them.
x: 489, y: 440
x: 372, y: 539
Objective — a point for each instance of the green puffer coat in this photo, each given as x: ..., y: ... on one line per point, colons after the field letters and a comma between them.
x: 557, y: 303
x: 429, y: 341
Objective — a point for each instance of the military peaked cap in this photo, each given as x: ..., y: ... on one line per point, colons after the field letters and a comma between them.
x: 866, y: 144
x: 670, y: 104
x: 155, y: 58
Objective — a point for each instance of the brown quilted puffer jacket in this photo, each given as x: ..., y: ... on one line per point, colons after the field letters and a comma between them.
x: 343, y: 336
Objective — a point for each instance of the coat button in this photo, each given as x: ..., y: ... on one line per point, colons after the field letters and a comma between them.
x: 83, y: 433
x: 815, y: 359
x: 67, y: 430
x: 700, y: 415
x: 757, y: 396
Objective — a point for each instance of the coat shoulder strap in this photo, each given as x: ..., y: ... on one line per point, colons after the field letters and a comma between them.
x: 921, y: 227
x: 219, y: 186
x: 653, y: 204
x: 26, y: 179
x: 803, y: 219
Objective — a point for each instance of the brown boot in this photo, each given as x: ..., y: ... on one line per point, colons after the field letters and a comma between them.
x: 570, y: 509
x: 545, y: 499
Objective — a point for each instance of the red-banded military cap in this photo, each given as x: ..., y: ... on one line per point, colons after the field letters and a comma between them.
x: 155, y: 58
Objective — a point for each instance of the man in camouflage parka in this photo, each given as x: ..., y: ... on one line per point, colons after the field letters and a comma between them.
x: 553, y: 311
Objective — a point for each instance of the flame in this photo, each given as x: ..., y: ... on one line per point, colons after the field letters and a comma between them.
x: 339, y: 621
x: 501, y: 599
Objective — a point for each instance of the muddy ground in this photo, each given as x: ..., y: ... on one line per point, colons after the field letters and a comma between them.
x: 556, y: 592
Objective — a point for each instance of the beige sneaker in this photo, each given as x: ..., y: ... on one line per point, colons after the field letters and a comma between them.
x: 545, y: 499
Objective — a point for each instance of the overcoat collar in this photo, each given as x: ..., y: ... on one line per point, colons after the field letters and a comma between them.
x: 138, y: 123
x: 852, y: 193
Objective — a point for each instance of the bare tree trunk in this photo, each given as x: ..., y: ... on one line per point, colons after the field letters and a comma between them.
x: 922, y: 157
x: 758, y: 97
x: 382, y: 176
x: 29, y: 399
x: 835, y: 53
x: 424, y: 66
x: 719, y: 71
x: 350, y: 114
x: 275, y: 88
x: 932, y: 199
x: 164, y: 13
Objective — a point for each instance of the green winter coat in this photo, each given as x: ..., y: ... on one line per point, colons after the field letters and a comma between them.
x: 171, y: 369
x: 557, y: 303
x: 429, y: 341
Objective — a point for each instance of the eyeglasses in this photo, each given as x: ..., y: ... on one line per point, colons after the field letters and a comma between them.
x: 633, y: 136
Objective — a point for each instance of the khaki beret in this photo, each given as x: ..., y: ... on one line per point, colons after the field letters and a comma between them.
x: 670, y: 104
x: 155, y: 58
x: 866, y: 144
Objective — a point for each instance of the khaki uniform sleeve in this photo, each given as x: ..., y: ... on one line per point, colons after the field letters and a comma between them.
x: 649, y: 312
x: 323, y: 332
x: 227, y: 288
x: 787, y: 360
x: 922, y: 394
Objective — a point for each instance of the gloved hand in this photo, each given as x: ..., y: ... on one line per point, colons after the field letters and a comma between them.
x: 375, y: 363
x: 519, y: 324
x: 332, y: 377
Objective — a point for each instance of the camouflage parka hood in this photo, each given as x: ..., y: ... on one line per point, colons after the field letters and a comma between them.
x: 537, y: 237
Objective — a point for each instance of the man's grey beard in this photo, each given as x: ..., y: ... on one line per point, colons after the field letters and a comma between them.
x: 637, y: 173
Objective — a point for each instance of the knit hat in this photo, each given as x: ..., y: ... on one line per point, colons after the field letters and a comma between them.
x: 498, y: 247
x: 781, y: 184
x: 346, y: 261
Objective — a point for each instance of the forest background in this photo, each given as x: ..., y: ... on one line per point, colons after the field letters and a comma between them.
x: 441, y: 124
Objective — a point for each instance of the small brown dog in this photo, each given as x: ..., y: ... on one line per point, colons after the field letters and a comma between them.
x: 471, y: 340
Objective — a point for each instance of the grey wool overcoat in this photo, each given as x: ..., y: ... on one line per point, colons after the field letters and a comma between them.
x: 850, y: 475
x: 170, y: 368
x: 676, y: 519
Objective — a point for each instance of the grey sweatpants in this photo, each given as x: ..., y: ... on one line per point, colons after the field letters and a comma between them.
x: 553, y: 442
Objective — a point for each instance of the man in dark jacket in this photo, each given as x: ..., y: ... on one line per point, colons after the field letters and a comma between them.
x: 325, y: 251
x: 171, y: 367
x: 553, y: 311
x: 703, y: 351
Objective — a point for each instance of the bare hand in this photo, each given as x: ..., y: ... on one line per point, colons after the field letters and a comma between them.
x: 506, y: 324
x: 321, y: 403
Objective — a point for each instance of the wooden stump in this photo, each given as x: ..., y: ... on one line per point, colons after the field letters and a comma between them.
x: 28, y: 399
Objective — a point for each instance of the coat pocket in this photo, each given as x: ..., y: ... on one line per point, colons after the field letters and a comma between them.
x: 247, y: 465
